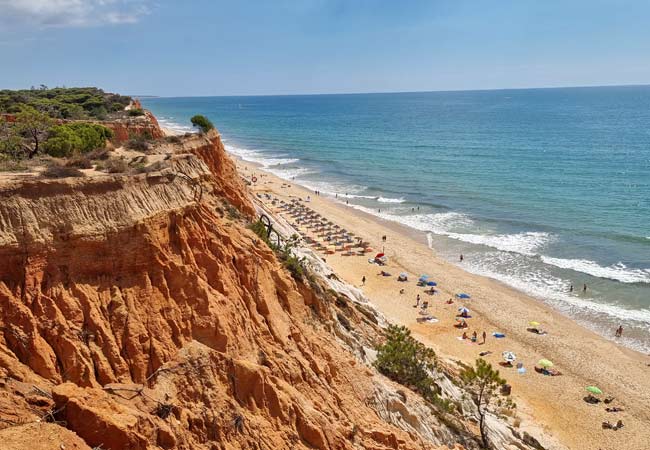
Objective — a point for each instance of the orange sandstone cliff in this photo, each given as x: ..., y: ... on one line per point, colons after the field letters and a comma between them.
x: 139, y: 312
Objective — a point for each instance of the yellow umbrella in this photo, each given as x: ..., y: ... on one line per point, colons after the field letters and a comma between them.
x: 533, y: 324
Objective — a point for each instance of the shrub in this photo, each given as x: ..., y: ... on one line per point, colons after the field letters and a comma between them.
x: 57, y: 171
x: 202, y: 123
x: 138, y: 142
x: 116, y: 166
x: 66, y: 139
x: 100, y: 154
x: 285, y: 253
x: 134, y: 112
x: 173, y: 139
x: 80, y: 162
x: 407, y: 361
x: 11, y: 165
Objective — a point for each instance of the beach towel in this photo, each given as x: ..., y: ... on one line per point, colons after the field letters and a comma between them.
x: 498, y: 335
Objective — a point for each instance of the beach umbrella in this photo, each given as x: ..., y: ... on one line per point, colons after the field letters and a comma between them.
x: 403, y: 275
x: 509, y: 356
x: 594, y: 390
x: 424, y: 278
x: 533, y: 324
x: 379, y: 255
x: 463, y: 295
x: 462, y: 309
x: 432, y: 283
x: 545, y: 363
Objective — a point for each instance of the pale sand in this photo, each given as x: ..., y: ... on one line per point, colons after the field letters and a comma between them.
x: 554, y: 403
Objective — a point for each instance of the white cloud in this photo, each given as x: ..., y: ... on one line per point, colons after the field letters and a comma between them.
x: 71, y: 13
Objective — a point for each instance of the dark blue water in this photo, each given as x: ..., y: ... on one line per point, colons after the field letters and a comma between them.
x: 538, y: 188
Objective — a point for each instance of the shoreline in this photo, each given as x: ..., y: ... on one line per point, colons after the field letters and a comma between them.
x: 584, y: 357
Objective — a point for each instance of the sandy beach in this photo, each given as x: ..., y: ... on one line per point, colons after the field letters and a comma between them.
x: 553, y: 402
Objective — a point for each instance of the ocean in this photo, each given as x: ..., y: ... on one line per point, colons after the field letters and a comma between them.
x: 538, y: 188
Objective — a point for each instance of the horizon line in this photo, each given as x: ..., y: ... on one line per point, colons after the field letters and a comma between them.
x: 398, y: 92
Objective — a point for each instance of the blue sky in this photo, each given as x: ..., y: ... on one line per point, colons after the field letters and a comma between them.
x: 201, y: 47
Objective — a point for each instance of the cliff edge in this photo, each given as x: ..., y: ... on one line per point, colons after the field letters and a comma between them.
x: 140, y: 312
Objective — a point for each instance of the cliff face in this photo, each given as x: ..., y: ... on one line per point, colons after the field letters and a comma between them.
x: 140, y: 312
x: 124, y: 129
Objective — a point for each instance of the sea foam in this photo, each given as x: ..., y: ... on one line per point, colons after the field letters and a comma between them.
x: 619, y: 272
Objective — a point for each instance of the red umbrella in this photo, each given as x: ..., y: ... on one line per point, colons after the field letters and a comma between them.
x: 379, y: 255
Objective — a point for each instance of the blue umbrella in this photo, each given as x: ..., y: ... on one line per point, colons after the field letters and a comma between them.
x: 462, y: 309
x: 432, y: 283
x: 403, y: 274
x: 462, y: 295
x: 424, y: 277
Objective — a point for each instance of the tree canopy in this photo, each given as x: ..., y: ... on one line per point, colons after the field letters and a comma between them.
x: 407, y: 361
x: 65, y: 140
x: 483, y: 382
x: 64, y: 103
x: 202, y: 123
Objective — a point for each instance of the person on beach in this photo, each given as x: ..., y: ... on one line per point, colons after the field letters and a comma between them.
x: 383, y: 238
x: 464, y: 335
x: 474, y: 337
x: 417, y: 301
x: 571, y: 288
x: 484, y: 337
x: 450, y: 301
x: 425, y: 305
x: 584, y: 287
x: 401, y: 291
x: 363, y: 281
x: 619, y: 331
x: 461, y: 257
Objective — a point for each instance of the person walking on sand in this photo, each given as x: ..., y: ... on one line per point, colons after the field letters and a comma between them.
x: 417, y: 301
x: 363, y: 281
x: 484, y: 337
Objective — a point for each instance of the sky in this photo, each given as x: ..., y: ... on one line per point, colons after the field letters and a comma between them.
x: 246, y: 47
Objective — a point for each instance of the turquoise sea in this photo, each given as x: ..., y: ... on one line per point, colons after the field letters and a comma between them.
x: 538, y: 188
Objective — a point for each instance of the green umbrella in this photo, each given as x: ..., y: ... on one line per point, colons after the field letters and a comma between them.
x: 545, y: 363
x: 594, y: 390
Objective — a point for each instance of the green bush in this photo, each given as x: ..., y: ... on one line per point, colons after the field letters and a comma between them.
x: 134, y: 112
x: 65, y: 140
x: 407, y: 361
x: 202, y: 123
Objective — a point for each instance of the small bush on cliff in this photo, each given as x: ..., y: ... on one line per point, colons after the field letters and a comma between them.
x: 139, y: 141
x: 116, y: 166
x: 407, y: 361
x: 80, y: 162
x: 202, y: 123
x: 295, y: 265
x: 57, y: 171
x: 135, y: 112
